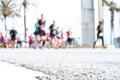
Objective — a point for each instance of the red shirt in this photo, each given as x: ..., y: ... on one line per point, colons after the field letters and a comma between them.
x: 30, y: 39
x: 69, y: 33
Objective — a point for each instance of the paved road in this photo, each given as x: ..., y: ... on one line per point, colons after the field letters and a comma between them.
x: 78, y: 55
x: 12, y: 72
x: 51, y: 61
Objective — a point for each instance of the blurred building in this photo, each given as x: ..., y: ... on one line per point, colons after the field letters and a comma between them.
x: 90, y: 16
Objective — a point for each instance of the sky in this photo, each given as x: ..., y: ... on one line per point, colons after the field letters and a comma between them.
x: 66, y: 13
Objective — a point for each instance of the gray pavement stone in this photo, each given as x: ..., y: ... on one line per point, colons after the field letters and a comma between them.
x: 69, y: 63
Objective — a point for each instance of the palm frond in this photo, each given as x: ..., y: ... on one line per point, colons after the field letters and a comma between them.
x: 9, y: 2
x: 112, y: 6
x: 3, y: 3
x: 13, y: 6
x: 0, y: 6
x: 103, y: 2
x: 20, y: 8
x: 118, y: 9
x: 13, y: 14
x: 34, y: 4
x: 7, y: 7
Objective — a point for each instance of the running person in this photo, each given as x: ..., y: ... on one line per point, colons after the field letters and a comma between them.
x: 58, y: 38
x: 1, y: 39
x: 13, y: 34
x: 99, y: 31
x: 36, y: 33
x: 30, y: 41
x: 69, y: 39
x: 62, y: 38
x: 42, y: 33
x: 52, y: 34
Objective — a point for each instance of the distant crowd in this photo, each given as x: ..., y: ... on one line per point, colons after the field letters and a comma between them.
x: 55, y: 38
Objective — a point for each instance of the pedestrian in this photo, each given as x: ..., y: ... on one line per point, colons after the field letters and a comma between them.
x: 42, y: 34
x: 1, y: 39
x: 99, y: 34
x: 69, y: 38
x: 36, y: 33
x: 48, y: 40
x: 19, y: 42
x: 62, y: 38
x: 30, y: 41
x: 58, y: 38
x: 52, y: 34
x: 13, y: 34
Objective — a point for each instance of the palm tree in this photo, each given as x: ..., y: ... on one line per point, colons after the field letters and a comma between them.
x: 112, y: 7
x: 8, y: 8
x: 25, y: 5
x: 104, y: 2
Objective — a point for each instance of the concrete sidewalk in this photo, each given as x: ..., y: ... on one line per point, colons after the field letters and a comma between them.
x: 12, y: 72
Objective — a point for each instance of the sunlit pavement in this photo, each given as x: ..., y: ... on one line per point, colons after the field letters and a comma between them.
x: 46, y: 60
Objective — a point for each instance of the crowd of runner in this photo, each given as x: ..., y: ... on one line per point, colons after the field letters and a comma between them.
x: 54, y: 39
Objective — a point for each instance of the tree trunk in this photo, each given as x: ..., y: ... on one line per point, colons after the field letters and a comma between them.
x: 25, y: 35
x: 112, y: 27
x: 5, y: 26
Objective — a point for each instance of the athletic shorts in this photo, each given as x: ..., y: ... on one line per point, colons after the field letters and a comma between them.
x: 36, y: 33
x: 42, y: 33
x: 13, y: 38
x: 52, y: 35
x: 69, y: 39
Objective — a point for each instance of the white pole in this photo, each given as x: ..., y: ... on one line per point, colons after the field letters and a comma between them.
x: 96, y: 16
